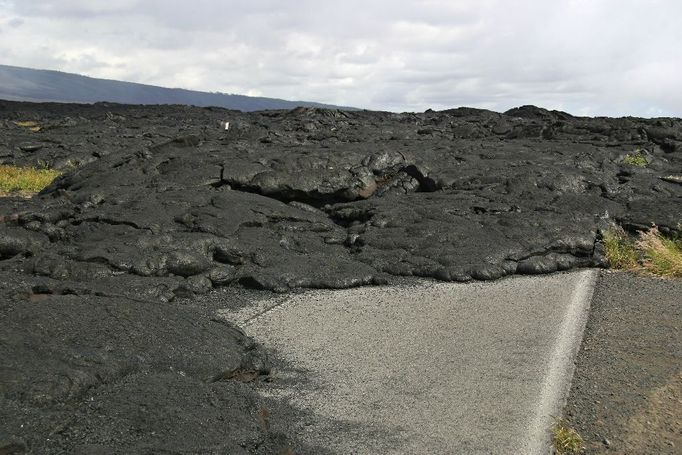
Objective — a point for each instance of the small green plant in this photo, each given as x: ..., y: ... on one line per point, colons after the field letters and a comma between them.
x: 620, y: 250
x: 566, y: 440
x: 25, y: 180
x: 661, y: 256
x: 636, y: 159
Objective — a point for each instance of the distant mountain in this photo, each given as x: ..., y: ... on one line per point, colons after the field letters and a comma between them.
x: 24, y: 84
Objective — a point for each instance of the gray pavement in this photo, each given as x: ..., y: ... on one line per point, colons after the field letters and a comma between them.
x: 431, y: 368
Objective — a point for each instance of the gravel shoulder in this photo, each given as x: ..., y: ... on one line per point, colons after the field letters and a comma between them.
x: 626, y: 395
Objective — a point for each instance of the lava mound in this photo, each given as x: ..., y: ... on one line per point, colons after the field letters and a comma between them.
x: 164, y: 201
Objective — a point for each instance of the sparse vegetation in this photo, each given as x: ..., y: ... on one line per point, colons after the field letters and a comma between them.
x: 620, y: 250
x: 636, y: 159
x: 652, y: 252
x: 566, y: 440
x: 26, y: 180
x: 662, y: 256
x: 31, y: 125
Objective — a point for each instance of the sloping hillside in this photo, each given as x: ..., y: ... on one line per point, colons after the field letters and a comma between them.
x: 24, y: 84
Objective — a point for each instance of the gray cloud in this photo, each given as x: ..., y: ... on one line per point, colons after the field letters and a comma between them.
x: 607, y: 57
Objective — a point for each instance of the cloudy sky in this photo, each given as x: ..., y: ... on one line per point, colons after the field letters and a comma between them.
x: 591, y: 57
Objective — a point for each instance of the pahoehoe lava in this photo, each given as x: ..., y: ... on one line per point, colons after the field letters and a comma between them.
x: 157, y: 203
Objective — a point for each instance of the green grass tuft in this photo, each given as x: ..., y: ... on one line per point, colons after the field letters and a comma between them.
x: 620, y: 250
x: 25, y: 180
x: 636, y: 159
x: 566, y: 440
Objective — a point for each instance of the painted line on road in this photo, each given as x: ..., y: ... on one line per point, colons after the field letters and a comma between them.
x: 561, y: 365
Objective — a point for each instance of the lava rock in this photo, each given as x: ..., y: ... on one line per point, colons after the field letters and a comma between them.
x: 158, y: 204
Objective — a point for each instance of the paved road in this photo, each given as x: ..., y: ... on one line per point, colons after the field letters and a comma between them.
x: 436, y: 368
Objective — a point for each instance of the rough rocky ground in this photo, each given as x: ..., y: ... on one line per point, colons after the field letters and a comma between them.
x: 162, y: 205
x: 626, y: 395
x: 91, y: 375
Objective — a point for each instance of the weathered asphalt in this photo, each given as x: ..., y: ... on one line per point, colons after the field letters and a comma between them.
x: 429, y: 368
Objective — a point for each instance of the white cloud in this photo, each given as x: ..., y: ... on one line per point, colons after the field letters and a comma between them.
x: 614, y: 57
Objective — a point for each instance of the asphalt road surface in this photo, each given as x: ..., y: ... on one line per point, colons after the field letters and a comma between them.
x: 428, y: 368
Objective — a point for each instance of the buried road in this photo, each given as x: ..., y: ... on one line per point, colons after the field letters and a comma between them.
x: 108, y: 277
x: 428, y: 368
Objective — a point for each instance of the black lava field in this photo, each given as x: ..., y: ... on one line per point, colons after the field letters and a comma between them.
x: 106, y: 346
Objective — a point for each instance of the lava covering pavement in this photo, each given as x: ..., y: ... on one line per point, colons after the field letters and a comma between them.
x: 158, y: 205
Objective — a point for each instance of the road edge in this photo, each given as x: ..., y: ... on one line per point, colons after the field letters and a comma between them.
x: 561, y: 367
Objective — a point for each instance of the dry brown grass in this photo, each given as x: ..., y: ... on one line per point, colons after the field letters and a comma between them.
x: 24, y: 180
x: 661, y: 256
x: 31, y: 125
x: 651, y: 253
